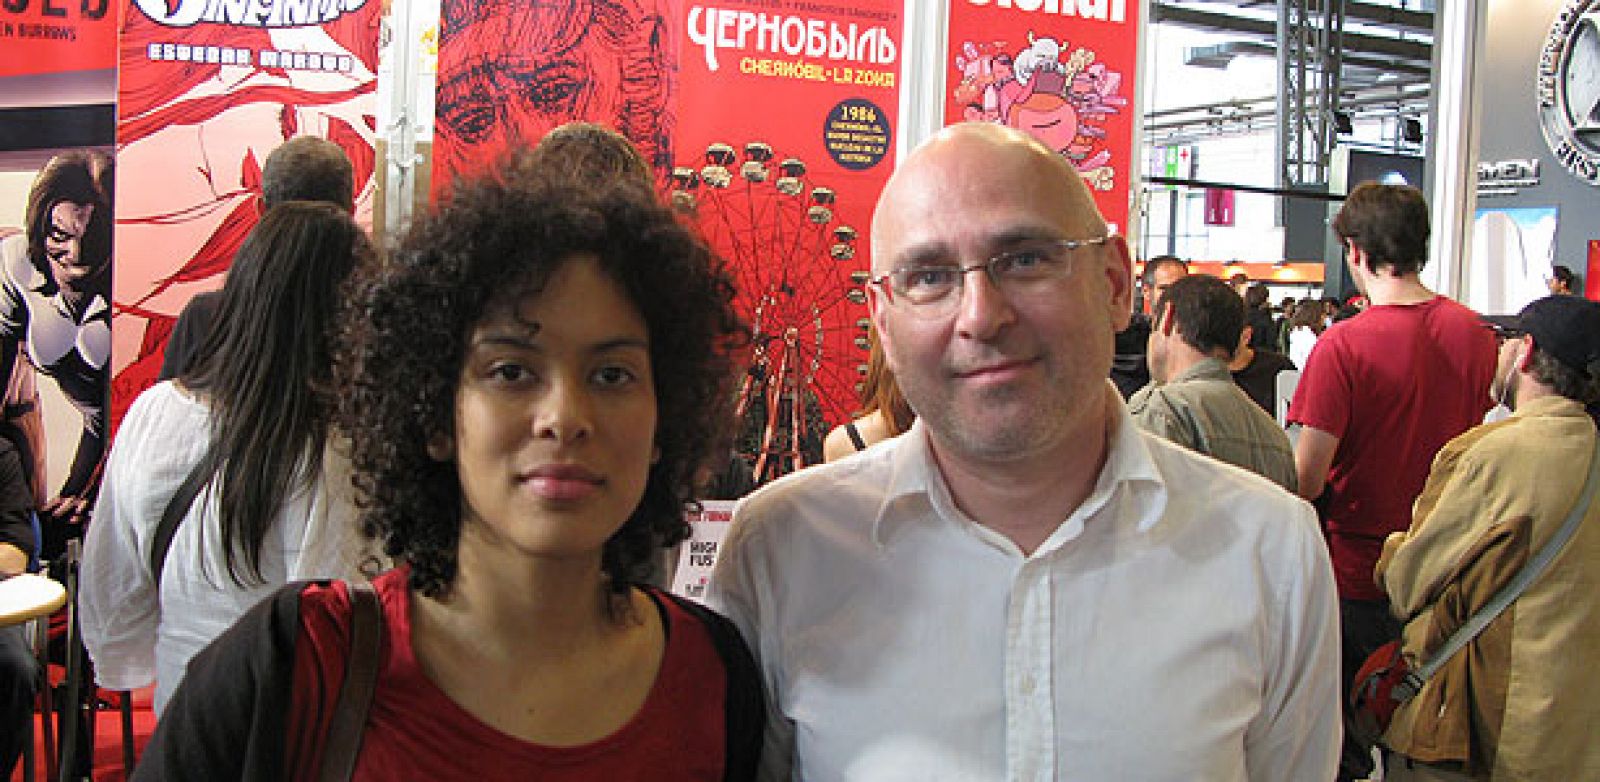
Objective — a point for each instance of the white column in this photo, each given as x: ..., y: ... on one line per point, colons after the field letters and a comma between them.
x: 1458, y: 47
x: 923, y: 44
x: 406, y: 112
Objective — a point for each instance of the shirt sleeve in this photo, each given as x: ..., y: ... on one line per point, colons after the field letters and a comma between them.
x: 1298, y: 733
x: 739, y: 590
x: 227, y: 719
x: 117, y: 601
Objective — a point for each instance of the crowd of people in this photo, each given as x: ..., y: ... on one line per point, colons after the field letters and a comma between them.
x: 403, y: 514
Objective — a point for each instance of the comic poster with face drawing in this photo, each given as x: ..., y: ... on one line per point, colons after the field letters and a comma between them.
x: 770, y: 125
x: 511, y: 70
x: 207, y: 90
x: 55, y: 327
x: 57, y: 77
x: 1062, y: 71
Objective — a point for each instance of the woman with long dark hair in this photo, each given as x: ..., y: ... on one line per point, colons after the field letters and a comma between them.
x: 251, y: 422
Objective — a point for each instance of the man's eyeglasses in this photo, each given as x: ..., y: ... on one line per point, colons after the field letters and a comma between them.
x: 934, y: 290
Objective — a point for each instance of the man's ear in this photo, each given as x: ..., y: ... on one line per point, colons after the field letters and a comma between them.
x: 1354, y: 255
x: 1166, y: 320
x: 1525, y: 364
x: 1119, y: 273
x: 877, y: 310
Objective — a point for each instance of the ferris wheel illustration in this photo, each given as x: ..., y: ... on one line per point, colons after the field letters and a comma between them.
x: 801, y: 289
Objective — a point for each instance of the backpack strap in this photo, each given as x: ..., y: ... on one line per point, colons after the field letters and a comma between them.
x: 176, y: 509
x: 349, y: 720
x: 1508, y: 594
x: 745, y: 705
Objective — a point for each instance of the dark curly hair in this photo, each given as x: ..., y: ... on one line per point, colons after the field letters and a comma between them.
x: 407, y: 326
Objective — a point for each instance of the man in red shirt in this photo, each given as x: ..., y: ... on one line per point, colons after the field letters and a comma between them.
x: 1380, y: 394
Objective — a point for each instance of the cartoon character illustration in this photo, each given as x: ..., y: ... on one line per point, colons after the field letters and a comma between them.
x: 1064, y: 104
x: 55, y: 316
x: 988, y: 85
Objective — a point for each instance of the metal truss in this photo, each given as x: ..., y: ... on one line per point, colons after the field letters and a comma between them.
x: 1310, y: 43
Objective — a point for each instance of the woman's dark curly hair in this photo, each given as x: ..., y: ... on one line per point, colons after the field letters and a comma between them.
x: 406, y: 329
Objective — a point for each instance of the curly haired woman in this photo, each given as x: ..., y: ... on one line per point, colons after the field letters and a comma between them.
x: 530, y: 386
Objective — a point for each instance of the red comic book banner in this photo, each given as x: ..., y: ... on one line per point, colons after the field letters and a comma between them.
x: 207, y: 89
x: 509, y: 72
x: 54, y: 36
x: 787, y: 112
x: 1061, y: 70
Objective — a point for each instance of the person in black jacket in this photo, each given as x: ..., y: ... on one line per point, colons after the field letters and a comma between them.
x: 1129, y: 371
x: 19, y: 671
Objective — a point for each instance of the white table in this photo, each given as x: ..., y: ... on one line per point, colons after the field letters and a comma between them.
x: 27, y: 596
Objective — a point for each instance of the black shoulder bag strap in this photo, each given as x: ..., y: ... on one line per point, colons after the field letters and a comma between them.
x: 177, y: 508
x: 855, y: 436
x: 349, y: 720
x: 744, y: 702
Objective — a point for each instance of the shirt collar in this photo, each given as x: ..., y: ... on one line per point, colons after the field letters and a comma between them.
x: 1129, y: 470
x: 910, y: 478
x: 1553, y: 404
x: 1205, y: 369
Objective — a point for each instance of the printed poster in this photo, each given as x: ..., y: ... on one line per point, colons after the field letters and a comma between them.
x: 770, y: 124
x: 698, y: 555
x: 56, y: 252
x: 786, y: 127
x: 55, y: 36
x: 510, y: 72
x: 207, y: 90
x: 55, y: 329
x: 1061, y: 70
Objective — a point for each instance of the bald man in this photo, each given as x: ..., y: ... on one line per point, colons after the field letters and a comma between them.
x: 1025, y: 586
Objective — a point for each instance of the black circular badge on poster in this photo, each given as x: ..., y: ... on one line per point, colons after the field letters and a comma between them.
x: 856, y: 134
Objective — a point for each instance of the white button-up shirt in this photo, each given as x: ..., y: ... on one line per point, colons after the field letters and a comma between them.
x: 1181, y: 624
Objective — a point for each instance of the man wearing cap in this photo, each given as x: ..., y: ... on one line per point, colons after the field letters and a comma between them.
x: 1518, y: 702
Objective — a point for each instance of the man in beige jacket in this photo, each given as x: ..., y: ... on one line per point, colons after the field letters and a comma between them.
x: 1518, y: 702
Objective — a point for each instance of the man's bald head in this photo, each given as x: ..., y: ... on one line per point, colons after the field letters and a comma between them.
x: 955, y: 152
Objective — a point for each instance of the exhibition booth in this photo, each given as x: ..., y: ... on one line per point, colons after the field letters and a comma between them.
x: 772, y: 123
